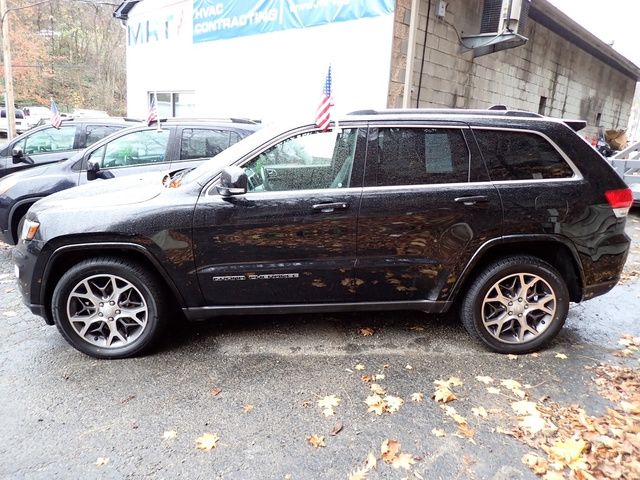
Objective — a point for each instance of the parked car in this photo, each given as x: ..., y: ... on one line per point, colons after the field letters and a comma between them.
x: 36, y: 113
x: 506, y: 215
x: 180, y: 144
x: 46, y: 144
x: 21, y: 121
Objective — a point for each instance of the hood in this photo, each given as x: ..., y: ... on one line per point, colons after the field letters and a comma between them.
x: 100, y: 194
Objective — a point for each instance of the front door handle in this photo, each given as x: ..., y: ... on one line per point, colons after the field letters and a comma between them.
x: 472, y: 200
x: 329, y: 207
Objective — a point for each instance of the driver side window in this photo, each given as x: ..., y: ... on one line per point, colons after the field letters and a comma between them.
x: 49, y: 140
x: 314, y: 160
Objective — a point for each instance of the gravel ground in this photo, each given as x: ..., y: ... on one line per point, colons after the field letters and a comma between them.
x: 61, y: 411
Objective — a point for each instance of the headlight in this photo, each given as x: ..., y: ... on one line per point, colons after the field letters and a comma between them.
x: 7, y: 183
x: 29, y: 230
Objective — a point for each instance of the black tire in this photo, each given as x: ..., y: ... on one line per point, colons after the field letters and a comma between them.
x: 144, y: 289
x: 472, y: 311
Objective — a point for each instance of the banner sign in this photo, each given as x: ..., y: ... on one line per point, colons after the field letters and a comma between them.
x: 223, y: 19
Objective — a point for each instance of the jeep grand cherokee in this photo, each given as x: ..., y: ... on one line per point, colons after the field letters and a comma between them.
x: 506, y: 215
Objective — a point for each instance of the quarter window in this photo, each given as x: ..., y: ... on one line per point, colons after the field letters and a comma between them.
x: 520, y: 156
x: 417, y: 156
x: 202, y: 143
x: 314, y: 160
x: 137, y: 148
x: 49, y: 140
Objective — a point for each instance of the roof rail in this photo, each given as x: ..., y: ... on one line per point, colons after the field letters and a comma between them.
x: 493, y: 111
x: 204, y: 119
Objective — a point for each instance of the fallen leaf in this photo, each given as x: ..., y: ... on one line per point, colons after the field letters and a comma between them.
x: 408, y: 367
x: 359, y: 367
x: 438, y: 432
x: 392, y: 404
x: 403, y: 460
x: 451, y: 412
x: 532, y: 423
x: 524, y: 407
x: 561, y: 355
x: 417, y: 397
x: 519, y: 393
x: 337, y: 428
x: 247, y: 408
x: 493, y: 390
x: 366, y: 331
x: 329, y: 401
x: 479, y: 412
x: 207, y: 441
x: 535, y: 354
x: 389, y: 449
x: 553, y: 475
x: 366, y: 378
x: 511, y: 356
x: 328, y: 412
x: 316, y: 441
x: 485, y: 380
x: 306, y: 404
x: 417, y: 328
x: 101, y: 461
x: 443, y: 394
x: 568, y: 452
x: 510, y: 384
x: 376, y: 404
x: 169, y: 434
x: 371, y: 462
x: 537, y: 464
x: 215, y: 391
x: 378, y: 376
x: 466, y: 431
x: 377, y: 389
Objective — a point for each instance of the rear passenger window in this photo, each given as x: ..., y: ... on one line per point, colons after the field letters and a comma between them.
x: 418, y: 156
x: 98, y: 132
x: 520, y: 156
x: 202, y: 143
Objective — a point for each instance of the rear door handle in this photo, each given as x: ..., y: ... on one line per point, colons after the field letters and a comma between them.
x: 329, y: 207
x: 472, y: 200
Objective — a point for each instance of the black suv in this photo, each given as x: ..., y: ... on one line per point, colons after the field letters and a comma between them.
x: 507, y: 215
x: 46, y: 144
x: 179, y: 143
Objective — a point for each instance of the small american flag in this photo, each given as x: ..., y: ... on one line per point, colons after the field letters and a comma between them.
x: 153, y: 111
x: 56, y: 119
x: 323, y: 114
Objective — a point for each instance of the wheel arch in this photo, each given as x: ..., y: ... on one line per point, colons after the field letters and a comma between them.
x: 66, y: 256
x: 17, y: 211
x: 552, y: 249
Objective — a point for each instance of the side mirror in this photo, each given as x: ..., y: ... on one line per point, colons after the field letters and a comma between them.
x: 18, y: 156
x: 233, y: 182
x: 92, y: 169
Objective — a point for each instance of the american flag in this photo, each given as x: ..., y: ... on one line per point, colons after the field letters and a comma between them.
x: 56, y: 119
x: 153, y: 111
x: 323, y: 114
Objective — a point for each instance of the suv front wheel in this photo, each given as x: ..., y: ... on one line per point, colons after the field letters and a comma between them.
x: 516, y: 305
x: 109, y: 308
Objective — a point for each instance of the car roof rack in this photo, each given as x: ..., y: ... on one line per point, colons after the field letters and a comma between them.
x: 496, y: 110
x: 246, y: 121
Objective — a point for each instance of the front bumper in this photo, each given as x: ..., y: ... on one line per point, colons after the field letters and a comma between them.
x: 25, y: 257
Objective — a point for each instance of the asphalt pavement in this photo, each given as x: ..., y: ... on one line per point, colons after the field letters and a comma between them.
x: 255, y: 382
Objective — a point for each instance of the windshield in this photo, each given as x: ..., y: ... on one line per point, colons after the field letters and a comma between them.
x: 208, y: 169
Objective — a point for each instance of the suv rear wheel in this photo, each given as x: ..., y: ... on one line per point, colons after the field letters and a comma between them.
x: 109, y: 308
x: 516, y: 305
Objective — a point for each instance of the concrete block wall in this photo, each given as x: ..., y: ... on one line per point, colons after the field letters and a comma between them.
x: 575, y: 83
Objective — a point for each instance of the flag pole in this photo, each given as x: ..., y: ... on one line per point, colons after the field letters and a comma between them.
x: 155, y: 99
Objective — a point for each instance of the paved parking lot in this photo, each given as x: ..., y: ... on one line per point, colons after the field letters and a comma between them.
x: 255, y: 383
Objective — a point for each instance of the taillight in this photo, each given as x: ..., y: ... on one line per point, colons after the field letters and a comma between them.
x: 620, y: 201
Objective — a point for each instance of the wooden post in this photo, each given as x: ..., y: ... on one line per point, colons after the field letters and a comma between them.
x: 8, y: 72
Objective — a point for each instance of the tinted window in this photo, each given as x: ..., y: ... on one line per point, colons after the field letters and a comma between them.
x: 98, y: 132
x: 202, y: 143
x: 417, y: 156
x: 520, y: 156
x: 309, y: 161
x: 137, y: 148
x: 49, y: 140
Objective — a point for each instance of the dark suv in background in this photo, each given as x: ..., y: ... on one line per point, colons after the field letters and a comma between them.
x: 46, y: 144
x: 506, y: 215
x: 179, y: 143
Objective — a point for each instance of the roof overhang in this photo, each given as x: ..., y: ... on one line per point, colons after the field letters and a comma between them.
x: 122, y: 12
x: 544, y: 13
